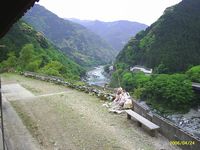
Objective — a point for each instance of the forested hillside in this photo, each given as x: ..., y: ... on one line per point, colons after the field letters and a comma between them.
x: 171, y: 44
x: 116, y: 33
x: 24, y: 49
x: 82, y: 45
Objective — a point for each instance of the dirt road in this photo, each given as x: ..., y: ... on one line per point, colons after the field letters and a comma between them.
x: 66, y: 119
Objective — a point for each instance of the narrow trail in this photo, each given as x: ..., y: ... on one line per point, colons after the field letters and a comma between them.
x: 62, y: 118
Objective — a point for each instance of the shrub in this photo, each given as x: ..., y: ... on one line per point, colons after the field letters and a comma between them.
x: 131, y: 80
x: 138, y: 92
x: 128, y: 81
x: 169, y: 92
x: 52, y: 68
x: 194, y: 74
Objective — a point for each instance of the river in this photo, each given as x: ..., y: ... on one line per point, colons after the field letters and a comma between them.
x: 97, y: 76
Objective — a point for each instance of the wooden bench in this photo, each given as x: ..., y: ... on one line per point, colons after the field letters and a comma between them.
x: 142, y: 121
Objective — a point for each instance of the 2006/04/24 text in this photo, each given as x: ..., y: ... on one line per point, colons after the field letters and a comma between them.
x: 182, y: 142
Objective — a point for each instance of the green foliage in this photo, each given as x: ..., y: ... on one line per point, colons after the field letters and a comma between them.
x: 128, y: 81
x: 161, y: 69
x: 138, y: 92
x: 194, y: 74
x: 129, y: 53
x: 116, y: 78
x: 54, y: 65
x: 11, y: 61
x: 33, y: 66
x: 169, y: 45
x: 52, y: 68
x: 20, y: 55
x: 51, y: 71
x: 26, y: 56
x: 169, y: 92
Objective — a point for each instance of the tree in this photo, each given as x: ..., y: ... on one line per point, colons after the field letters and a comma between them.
x: 169, y: 92
x: 161, y: 69
x: 26, y: 56
x: 128, y: 81
x: 131, y: 80
x: 52, y: 68
x: 194, y: 74
x: 116, y: 78
x: 34, y: 66
x: 11, y: 62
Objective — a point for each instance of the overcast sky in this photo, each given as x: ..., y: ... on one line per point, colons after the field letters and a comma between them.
x: 144, y: 11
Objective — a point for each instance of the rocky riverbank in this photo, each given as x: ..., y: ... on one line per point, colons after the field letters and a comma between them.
x: 97, y: 76
x: 190, y: 122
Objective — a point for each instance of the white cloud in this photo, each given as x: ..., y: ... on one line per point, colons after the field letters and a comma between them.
x: 144, y: 11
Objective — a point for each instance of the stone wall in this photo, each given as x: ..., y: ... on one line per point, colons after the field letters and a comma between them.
x: 167, y: 128
x: 102, y: 93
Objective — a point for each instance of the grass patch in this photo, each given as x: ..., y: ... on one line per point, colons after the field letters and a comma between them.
x: 32, y: 89
x: 30, y: 124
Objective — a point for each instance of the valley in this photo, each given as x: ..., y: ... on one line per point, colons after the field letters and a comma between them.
x: 158, y: 65
x: 82, y: 45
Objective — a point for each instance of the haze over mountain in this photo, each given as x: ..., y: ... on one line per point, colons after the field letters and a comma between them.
x: 82, y: 45
x: 116, y: 33
x: 171, y: 44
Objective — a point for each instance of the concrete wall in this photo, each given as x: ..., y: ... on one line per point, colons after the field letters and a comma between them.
x: 169, y: 130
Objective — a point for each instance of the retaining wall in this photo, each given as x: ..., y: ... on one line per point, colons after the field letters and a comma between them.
x: 186, y: 140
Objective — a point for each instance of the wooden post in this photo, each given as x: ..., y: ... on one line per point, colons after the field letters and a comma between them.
x: 128, y: 116
x: 139, y: 123
x: 153, y: 133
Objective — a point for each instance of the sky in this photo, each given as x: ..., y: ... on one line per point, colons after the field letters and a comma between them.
x: 143, y: 11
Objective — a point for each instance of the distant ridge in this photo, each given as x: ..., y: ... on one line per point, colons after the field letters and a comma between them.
x: 116, y: 33
x: 82, y: 45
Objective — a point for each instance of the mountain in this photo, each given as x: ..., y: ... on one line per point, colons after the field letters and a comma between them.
x: 25, y: 49
x: 171, y: 44
x: 82, y: 45
x: 116, y: 33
